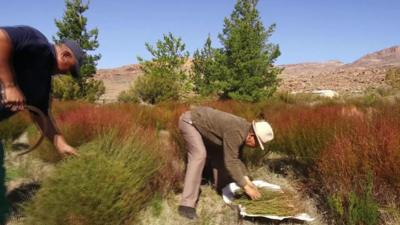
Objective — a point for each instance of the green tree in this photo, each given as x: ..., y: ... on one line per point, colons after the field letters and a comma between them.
x: 165, y: 77
x: 73, y: 26
x: 246, y: 70
x: 205, y: 69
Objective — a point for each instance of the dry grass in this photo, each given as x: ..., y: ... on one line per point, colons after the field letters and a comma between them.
x: 213, y: 211
x: 391, y: 215
x: 16, y: 221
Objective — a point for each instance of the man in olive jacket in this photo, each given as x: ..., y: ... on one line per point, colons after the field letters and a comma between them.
x: 223, y: 129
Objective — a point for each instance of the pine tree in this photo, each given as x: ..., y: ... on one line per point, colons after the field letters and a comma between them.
x: 208, y: 70
x: 73, y: 26
x: 203, y: 67
x: 246, y: 65
x: 169, y: 56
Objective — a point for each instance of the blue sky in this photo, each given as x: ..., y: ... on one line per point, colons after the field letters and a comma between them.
x: 307, y: 30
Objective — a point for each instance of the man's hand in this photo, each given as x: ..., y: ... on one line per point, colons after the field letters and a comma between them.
x: 13, y: 98
x: 67, y: 151
x: 252, y: 192
x: 63, y: 148
x: 51, y: 132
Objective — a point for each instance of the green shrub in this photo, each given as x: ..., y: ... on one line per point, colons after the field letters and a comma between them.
x: 392, y: 78
x: 128, y: 96
x: 355, y: 209
x: 164, y: 76
x: 108, y: 184
x: 66, y: 88
x: 14, y: 126
x: 154, y: 89
x: 363, y: 210
x: 335, y: 203
x: 93, y: 89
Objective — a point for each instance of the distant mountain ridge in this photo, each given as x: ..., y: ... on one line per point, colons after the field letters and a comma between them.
x: 386, y: 57
x: 367, y: 71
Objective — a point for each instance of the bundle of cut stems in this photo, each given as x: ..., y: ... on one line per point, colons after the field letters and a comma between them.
x: 278, y: 203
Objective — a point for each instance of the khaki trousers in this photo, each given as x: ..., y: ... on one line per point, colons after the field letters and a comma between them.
x: 197, y: 156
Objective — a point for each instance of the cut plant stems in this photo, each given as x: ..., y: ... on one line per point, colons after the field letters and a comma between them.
x: 272, y: 202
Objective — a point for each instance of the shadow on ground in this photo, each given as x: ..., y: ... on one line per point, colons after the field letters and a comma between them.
x: 286, y: 166
x: 21, y: 194
x: 266, y: 221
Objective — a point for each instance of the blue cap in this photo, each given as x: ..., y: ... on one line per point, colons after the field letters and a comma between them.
x: 79, y: 55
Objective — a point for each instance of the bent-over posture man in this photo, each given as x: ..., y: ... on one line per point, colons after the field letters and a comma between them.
x: 27, y: 63
x: 229, y: 131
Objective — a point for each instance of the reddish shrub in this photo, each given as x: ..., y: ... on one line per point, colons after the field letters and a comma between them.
x: 86, y: 122
x: 301, y: 132
x: 83, y: 124
x: 368, y: 146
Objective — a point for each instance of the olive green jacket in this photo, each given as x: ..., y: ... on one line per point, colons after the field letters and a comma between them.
x: 226, y: 130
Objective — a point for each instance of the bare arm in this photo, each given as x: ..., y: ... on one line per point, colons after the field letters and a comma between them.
x: 51, y: 132
x: 6, y: 77
x: 13, y: 97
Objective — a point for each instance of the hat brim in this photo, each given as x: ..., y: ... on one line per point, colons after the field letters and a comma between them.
x: 253, y: 124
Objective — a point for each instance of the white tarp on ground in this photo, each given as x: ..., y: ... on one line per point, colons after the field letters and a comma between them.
x: 230, y: 189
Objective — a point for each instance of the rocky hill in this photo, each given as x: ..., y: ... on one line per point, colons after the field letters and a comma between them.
x: 386, y: 57
x: 117, y: 80
x: 368, y: 71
